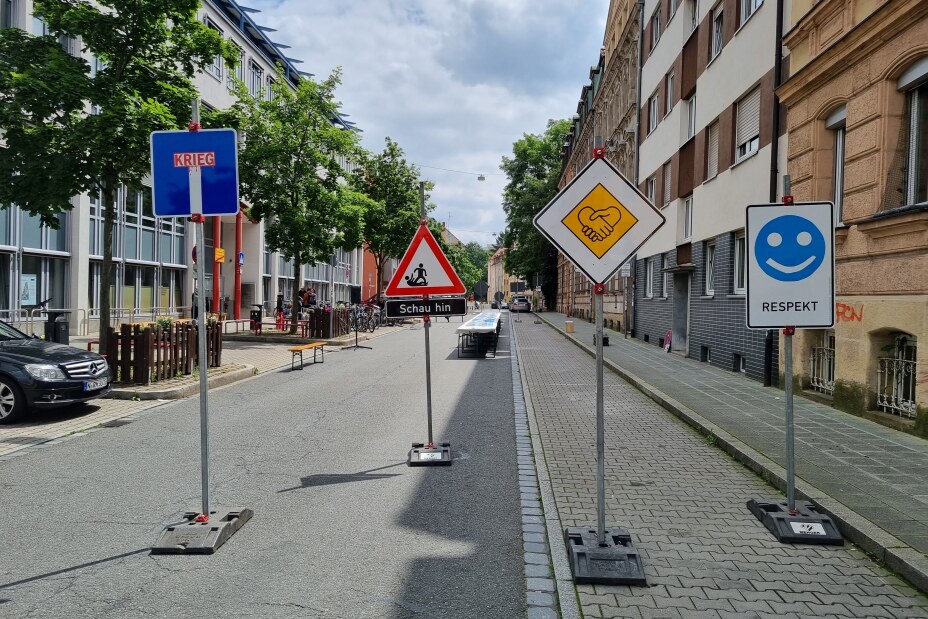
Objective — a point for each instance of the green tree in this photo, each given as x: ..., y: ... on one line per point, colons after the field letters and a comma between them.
x: 289, y: 170
x: 533, y: 173
x: 393, y: 186
x: 147, y: 53
x: 479, y: 256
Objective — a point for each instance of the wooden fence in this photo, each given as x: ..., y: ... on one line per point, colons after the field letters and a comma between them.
x: 141, y: 355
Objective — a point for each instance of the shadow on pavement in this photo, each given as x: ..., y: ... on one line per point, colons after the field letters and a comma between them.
x: 328, y: 479
x: 73, y: 568
x: 468, y: 515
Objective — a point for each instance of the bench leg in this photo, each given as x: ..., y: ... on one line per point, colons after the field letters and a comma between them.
x: 293, y: 360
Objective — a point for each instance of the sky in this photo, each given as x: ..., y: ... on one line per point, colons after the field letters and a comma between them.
x: 454, y: 82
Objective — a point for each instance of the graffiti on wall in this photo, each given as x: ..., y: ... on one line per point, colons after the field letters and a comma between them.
x: 849, y: 313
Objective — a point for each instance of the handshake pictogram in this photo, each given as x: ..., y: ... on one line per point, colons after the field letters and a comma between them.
x: 598, y: 225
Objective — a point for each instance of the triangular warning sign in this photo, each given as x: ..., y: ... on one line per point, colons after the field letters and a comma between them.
x: 424, y: 269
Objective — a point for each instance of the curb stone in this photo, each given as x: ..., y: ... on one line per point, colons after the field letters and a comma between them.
x: 177, y: 393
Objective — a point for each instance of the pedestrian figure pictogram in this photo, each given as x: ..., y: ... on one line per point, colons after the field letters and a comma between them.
x: 417, y: 277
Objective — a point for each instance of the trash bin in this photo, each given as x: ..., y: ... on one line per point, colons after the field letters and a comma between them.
x: 569, y: 326
x: 605, y: 340
x: 56, y: 327
x: 256, y: 318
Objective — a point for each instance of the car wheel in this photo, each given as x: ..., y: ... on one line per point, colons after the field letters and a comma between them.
x: 12, y: 401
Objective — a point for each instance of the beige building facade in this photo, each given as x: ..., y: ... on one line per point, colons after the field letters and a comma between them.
x: 607, y: 117
x: 857, y: 101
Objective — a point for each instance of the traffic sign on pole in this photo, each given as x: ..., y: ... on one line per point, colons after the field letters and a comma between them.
x: 424, y: 269
x: 599, y: 220
x: 194, y: 172
x: 790, y: 265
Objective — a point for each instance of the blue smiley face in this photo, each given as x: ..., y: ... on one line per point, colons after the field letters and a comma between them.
x: 789, y: 248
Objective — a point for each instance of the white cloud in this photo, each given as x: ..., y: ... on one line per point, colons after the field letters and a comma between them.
x: 454, y: 82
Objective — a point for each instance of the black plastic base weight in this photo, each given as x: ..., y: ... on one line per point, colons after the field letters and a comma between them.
x: 615, y: 563
x: 203, y: 538
x: 438, y: 454
x: 805, y: 526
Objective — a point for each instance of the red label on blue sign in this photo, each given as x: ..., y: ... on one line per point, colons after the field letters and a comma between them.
x: 190, y: 160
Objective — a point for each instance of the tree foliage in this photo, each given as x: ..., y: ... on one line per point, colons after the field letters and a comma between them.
x: 290, y: 170
x: 391, y: 220
x: 147, y: 53
x: 533, y: 172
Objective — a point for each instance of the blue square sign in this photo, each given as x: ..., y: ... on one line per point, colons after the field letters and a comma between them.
x: 194, y: 172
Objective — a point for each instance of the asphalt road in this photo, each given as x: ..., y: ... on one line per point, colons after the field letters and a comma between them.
x: 342, y: 527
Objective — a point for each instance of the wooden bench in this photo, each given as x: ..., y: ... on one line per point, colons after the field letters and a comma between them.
x: 298, y: 350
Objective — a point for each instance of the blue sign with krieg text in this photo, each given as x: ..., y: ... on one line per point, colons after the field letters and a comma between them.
x: 194, y: 172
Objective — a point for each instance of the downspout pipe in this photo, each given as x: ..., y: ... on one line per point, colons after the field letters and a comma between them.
x: 769, y: 341
x: 637, y: 175
x: 777, y: 81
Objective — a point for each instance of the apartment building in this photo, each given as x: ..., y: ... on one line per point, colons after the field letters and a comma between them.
x: 607, y: 116
x: 709, y: 146
x: 153, y: 272
x: 857, y: 101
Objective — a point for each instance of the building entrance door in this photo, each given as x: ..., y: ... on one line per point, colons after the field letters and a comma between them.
x: 681, y: 312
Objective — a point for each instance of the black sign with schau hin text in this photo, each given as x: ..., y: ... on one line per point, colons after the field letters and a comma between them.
x: 414, y: 308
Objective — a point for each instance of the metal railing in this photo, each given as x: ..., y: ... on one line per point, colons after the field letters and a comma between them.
x: 896, y: 387
x: 822, y: 369
x: 131, y: 315
x: 38, y: 315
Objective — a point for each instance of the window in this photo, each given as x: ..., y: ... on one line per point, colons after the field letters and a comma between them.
x: 214, y: 68
x: 686, y: 219
x: 915, y: 83
x: 712, y: 151
x: 836, y: 124
x: 668, y: 93
x: 710, y: 268
x: 656, y: 26
x: 667, y: 171
x: 652, y: 113
x: 717, y: 32
x: 649, y: 278
x: 665, y: 276
x: 255, y: 79
x: 269, y: 91
x: 6, y: 13
x: 651, y: 189
x: 692, y: 9
x: 672, y: 10
x: 691, y: 117
x: 747, y: 131
x: 738, y: 264
x: 748, y: 7
x: 238, y: 72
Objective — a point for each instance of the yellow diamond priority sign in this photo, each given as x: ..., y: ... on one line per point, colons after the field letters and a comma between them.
x: 599, y: 220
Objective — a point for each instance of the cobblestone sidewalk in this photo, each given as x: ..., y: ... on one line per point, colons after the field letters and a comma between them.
x: 683, y: 501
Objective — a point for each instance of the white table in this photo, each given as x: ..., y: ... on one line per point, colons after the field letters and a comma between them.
x: 479, y: 334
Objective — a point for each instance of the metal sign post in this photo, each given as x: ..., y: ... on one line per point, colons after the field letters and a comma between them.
x: 172, y: 151
x: 790, y: 283
x: 424, y: 270
x: 599, y: 221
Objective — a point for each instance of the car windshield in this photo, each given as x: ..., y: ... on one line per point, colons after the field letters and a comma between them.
x: 7, y: 332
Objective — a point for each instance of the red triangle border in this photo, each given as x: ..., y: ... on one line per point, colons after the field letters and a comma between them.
x: 424, y: 234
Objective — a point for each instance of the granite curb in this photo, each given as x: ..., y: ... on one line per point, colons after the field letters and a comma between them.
x: 885, y: 548
x: 188, y: 389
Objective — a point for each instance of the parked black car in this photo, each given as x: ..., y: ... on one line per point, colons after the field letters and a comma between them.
x: 35, y: 374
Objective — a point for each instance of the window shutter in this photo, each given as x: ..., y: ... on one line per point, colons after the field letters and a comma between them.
x: 713, y: 154
x: 666, y: 183
x: 748, y: 117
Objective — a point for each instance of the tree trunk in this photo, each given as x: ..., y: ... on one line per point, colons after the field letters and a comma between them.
x: 294, y: 291
x: 381, y: 260
x: 106, y: 269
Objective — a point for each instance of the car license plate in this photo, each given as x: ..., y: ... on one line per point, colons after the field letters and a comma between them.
x: 93, y: 385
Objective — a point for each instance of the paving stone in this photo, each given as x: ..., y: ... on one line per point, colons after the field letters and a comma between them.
x: 540, y: 598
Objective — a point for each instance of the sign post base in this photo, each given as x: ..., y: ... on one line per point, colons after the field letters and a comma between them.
x: 429, y: 455
x: 615, y: 563
x: 191, y: 536
x: 804, y: 525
